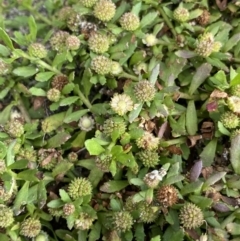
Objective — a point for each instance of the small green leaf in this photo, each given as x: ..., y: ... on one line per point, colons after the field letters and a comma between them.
x: 68, y: 100
x: 201, y: 74
x: 222, y: 129
x: 208, y: 153
x: 235, y: 80
x: 33, y: 29
x: 3, y: 150
x: 41, y: 194
x: 6, y: 39
x: 28, y: 175
x: 25, y: 71
x: 37, y: 91
x: 44, y: 76
x: 113, y: 186
x: 135, y: 113
x: 75, y: 116
x: 94, y: 147
x: 213, y: 179
x: 191, y: 187
x: 154, y: 74
x: 95, y: 233
x: 10, y: 153
x: 53, y: 122
x: 4, y: 237
x: 61, y: 168
x: 137, y: 8
x: 21, y: 164
x: 231, y: 42
x: 64, y: 196
x: 55, y: 203
x: 5, y: 114
x: 21, y: 198
x: 4, y: 51
x: 148, y: 19
x: 115, y: 205
x: 58, y: 139
x: 191, y: 118
x: 235, y: 154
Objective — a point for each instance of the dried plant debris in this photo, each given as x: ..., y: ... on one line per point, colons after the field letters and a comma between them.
x: 119, y: 120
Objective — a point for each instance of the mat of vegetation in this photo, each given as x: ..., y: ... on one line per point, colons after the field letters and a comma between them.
x: 119, y: 120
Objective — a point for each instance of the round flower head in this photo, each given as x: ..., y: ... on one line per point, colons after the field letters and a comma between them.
x: 64, y: 13
x: 68, y: 209
x: 79, y: 187
x: 4, y: 68
x: 167, y: 195
x: 181, y: 14
x: 191, y: 216
x: 55, y: 212
x: 234, y: 133
x: 104, y: 10
x: 103, y: 162
x: 229, y: 120
x: 216, y: 46
x: 121, y: 104
x: 84, y: 221
x: 122, y: 221
x: 152, y: 179
x: 54, y: 95
x: 148, y: 141
x: 150, y: 40
x: 101, y: 65
x: 235, y: 90
x: 37, y: 50
x: 114, y: 125
x: 74, y: 21
x: 72, y: 156
x: 14, y: 128
x: 204, y: 45
x: 72, y: 42
x: 204, y: 18
x: 129, y: 21
x: 6, y: 216
x: 58, y: 41
x: 86, y: 123
x: 148, y: 213
x: 2, y: 166
x: 144, y: 91
x: 59, y: 81
x: 30, y: 227
x: 42, y: 237
x: 234, y: 104
x: 88, y: 3
x: 148, y: 158
x: 98, y: 43
x: 116, y: 68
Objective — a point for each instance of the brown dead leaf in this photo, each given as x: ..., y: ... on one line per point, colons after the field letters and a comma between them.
x: 175, y: 150
x: 222, y: 5
x: 193, y: 140
x: 206, y: 172
x: 218, y: 94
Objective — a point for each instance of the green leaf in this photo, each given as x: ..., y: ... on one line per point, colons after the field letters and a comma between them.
x: 58, y: 139
x: 79, y: 140
x: 44, y: 76
x: 3, y: 150
x: 148, y: 19
x: 191, y: 118
x: 154, y: 74
x: 75, y: 116
x: 6, y: 39
x: 173, y: 179
x: 222, y: 129
x: 235, y: 154
x: 213, y: 179
x: 25, y: 71
x: 233, y: 228
x: 135, y: 113
x: 33, y: 29
x: 4, y: 51
x: 19, y: 165
x: 95, y: 176
x: 115, y: 205
x: 61, y: 168
x: 231, y: 42
x: 201, y: 201
x: 69, y: 100
x: 4, y: 237
x: 37, y: 91
x: 41, y: 194
x: 95, y: 233
x: 57, y: 203
x: 87, y: 74
x: 137, y: 8
x: 10, y: 153
x: 156, y: 238
x: 139, y: 232
x: 199, y: 77
x: 94, y: 147
x: 220, y: 80
x: 186, y: 54
x: 21, y: 198
x: 235, y: 80
x: 5, y: 114
x: 64, y: 196
x: 191, y: 187
x: 113, y: 186
x: 28, y: 175
x: 208, y: 153
x: 53, y: 122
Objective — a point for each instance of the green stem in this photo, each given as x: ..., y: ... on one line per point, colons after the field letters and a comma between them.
x: 47, y: 66
x: 83, y: 98
x: 126, y: 75
x: 21, y: 107
x: 168, y: 22
x: 180, y: 140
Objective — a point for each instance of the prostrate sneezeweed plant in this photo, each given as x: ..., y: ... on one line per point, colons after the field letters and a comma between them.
x: 119, y: 120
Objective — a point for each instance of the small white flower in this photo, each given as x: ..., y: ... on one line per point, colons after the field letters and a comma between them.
x: 150, y: 40
x: 121, y: 104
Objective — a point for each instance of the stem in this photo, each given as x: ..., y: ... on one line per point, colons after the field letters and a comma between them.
x: 168, y: 22
x: 83, y: 98
x: 180, y: 140
x: 21, y: 107
x: 126, y: 75
x: 47, y: 66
